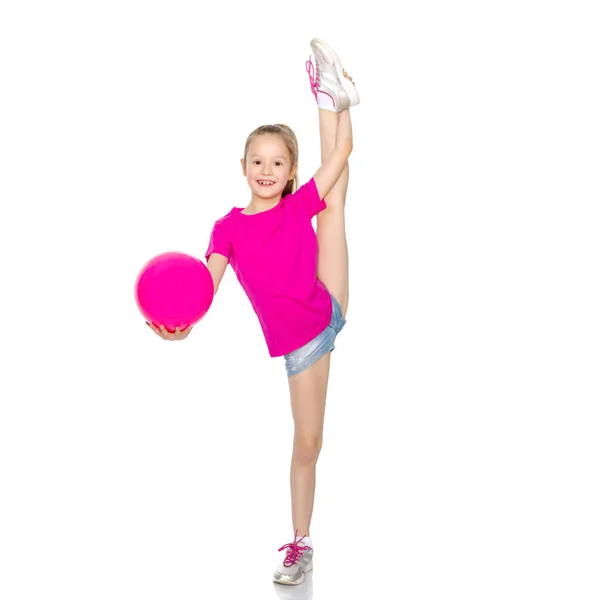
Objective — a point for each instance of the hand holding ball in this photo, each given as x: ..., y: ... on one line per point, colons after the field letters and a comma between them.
x: 174, y: 291
x: 167, y: 335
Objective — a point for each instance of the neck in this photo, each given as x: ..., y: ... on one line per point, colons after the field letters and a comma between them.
x: 258, y: 204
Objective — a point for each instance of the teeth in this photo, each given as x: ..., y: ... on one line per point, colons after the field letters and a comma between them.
x: 265, y: 183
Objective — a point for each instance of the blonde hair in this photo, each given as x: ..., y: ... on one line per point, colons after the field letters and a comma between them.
x: 291, y: 142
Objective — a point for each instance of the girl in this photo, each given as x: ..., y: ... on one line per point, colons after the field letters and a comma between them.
x: 296, y: 281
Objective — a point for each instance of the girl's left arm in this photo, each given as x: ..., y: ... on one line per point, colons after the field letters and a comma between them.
x: 332, y: 167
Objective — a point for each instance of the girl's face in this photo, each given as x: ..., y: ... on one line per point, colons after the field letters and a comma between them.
x: 268, y: 160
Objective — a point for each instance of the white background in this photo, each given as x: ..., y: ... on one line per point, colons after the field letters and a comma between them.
x: 460, y: 455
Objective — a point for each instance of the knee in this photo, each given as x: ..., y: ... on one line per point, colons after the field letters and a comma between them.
x: 307, y: 449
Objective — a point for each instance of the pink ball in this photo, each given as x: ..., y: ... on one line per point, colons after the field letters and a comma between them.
x: 175, y: 290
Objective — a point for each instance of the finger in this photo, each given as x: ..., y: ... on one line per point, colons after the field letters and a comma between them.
x: 164, y: 334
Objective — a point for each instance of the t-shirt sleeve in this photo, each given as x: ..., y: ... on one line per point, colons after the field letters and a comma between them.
x: 219, y: 241
x: 308, y: 195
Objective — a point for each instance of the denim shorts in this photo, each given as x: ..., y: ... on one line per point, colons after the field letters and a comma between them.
x: 306, y: 355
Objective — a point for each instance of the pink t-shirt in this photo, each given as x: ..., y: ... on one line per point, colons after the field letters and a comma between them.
x: 274, y: 255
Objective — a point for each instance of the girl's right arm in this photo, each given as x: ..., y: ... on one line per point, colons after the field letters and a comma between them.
x: 217, y: 263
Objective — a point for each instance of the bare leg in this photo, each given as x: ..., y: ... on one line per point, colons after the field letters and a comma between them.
x: 332, y: 267
x: 308, y: 391
x: 328, y: 124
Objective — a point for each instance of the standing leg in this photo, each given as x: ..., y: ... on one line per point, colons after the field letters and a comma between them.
x: 332, y: 267
x: 308, y: 392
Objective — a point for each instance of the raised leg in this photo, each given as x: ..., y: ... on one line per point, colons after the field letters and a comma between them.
x: 332, y: 267
x: 308, y: 392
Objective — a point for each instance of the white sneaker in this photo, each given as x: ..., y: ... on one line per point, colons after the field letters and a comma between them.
x: 295, y: 592
x: 298, y: 560
x: 332, y: 90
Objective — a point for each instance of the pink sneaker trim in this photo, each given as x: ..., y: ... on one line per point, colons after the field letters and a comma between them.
x: 314, y: 81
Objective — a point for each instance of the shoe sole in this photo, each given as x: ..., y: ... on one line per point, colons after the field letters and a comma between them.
x: 346, y: 83
x: 301, y: 580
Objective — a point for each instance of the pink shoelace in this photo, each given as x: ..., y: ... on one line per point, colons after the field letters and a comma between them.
x: 294, y: 552
x: 314, y: 81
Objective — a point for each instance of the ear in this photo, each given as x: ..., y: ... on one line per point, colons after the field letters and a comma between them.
x: 292, y: 172
x: 243, y: 167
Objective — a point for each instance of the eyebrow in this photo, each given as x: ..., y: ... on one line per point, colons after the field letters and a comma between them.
x: 274, y: 157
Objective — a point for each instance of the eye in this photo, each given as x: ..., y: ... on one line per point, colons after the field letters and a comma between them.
x: 276, y: 162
